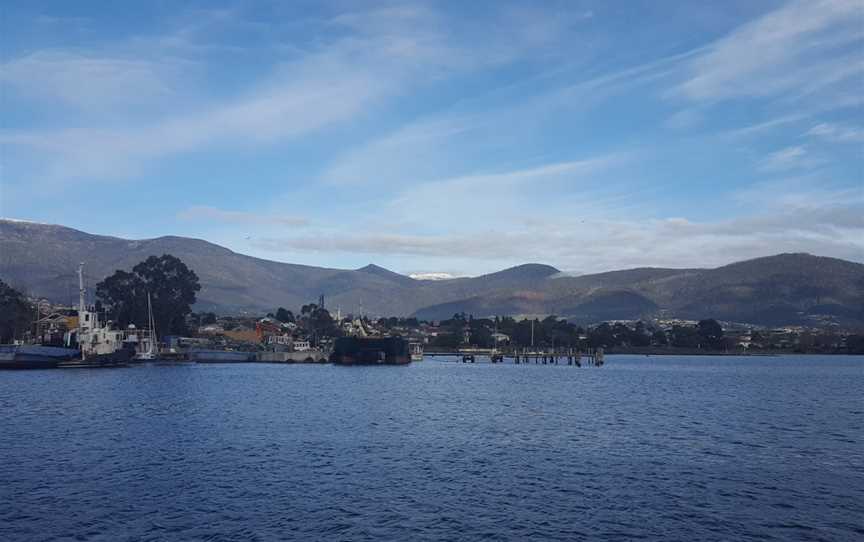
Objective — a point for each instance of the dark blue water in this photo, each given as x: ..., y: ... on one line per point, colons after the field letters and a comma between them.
x: 661, y: 448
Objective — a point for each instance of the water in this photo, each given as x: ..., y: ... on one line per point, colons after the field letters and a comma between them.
x: 660, y: 448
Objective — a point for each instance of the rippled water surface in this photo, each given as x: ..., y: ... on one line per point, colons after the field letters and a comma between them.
x: 656, y: 448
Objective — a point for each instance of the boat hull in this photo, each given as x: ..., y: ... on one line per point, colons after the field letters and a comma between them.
x: 120, y: 358
x: 33, y: 356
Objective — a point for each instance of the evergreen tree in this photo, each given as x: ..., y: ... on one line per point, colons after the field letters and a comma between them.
x: 16, y: 314
x: 172, y: 287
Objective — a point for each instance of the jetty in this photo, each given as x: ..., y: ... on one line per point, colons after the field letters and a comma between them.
x: 590, y: 357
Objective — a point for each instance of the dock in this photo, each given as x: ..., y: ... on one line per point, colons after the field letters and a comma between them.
x: 590, y: 357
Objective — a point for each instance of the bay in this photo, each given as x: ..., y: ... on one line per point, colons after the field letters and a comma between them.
x: 651, y: 448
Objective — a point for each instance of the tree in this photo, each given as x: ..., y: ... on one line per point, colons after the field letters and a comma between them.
x: 172, y: 287
x: 602, y: 335
x: 710, y: 333
x: 284, y: 315
x: 208, y: 318
x: 16, y: 313
x: 321, y: 324
x: 124, y: 294
x: 640, y: 335
x: 684, y: 337
x: 855, y: 344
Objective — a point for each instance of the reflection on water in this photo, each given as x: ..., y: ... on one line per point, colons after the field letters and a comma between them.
x: 667, y: 448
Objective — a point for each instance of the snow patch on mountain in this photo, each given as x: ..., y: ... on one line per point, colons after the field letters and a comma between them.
x: 432, y: 276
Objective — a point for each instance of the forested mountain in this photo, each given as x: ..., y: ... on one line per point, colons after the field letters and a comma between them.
x: 783, y: 289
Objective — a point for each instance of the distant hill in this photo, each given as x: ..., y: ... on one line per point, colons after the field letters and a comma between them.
x: 783, y: 289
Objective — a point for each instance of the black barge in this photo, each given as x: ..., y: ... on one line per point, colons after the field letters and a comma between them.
x: 371, y: 351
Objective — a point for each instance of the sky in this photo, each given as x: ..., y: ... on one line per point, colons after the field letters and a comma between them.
x: 449, y: 137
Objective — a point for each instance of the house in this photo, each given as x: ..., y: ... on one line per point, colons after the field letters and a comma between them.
x: 278, y: 340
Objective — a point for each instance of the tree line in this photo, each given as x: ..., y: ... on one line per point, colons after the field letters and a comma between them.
x: 552, y: 332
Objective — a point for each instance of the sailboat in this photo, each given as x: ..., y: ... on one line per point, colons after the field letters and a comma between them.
x: 496, y: 356
x: 150, y: 353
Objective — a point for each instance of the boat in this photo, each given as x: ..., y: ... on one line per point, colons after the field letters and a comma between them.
x: 118, y: 358
x: 416, y: 350
x: 150, y: 353
x: 495, y: 356
x: 220, y: 356
x: 99, y: 344
x: 370, y: 351
x: 34, y: 356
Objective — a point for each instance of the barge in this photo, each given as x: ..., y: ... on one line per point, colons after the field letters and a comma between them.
x: 370, y: 351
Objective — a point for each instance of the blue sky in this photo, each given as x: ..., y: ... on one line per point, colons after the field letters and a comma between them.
x: 458, y: 137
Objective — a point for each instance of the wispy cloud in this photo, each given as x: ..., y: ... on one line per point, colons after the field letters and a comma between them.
x: 837, y: 133
x: 796, y: 157
x: 89, y: 81
x: 200, y: 213
x: 789, y: 215
x: 308, y: 97
x: 364, y: 58
x: 761, y: 128
x: 413, y: 151
x: 489, y: 197
x: 426, y: 148
x: 799, y: 48
x: 584, y: 245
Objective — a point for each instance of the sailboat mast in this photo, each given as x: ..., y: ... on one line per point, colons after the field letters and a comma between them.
x: 151, y: 323
x: 81, y: 292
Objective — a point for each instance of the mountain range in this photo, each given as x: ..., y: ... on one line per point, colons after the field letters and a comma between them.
x: 784, y: 289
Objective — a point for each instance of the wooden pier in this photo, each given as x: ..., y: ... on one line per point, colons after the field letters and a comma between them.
x: 544, y: 356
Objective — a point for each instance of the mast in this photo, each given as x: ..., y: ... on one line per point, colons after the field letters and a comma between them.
x: 81, y: 293
x: 151, y: 323
x: 496, y: 335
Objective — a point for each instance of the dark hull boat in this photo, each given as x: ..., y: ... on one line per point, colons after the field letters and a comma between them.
x: 371, y: 351
x: 26, y: 356
x: 118, y: 358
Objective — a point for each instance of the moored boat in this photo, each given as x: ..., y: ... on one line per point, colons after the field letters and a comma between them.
x: 117, y: 358
x: 416, y: 350
x: 150, y: 353
x: 100, y: 345
x: 32, y: 356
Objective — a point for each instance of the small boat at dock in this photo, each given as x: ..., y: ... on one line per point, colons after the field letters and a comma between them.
x: 416, y: 350
x: 151, y: 352
x: 34, y: 356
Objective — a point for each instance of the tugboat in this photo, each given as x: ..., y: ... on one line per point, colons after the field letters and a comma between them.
x: 99, y: 345
x: 370, y: 351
